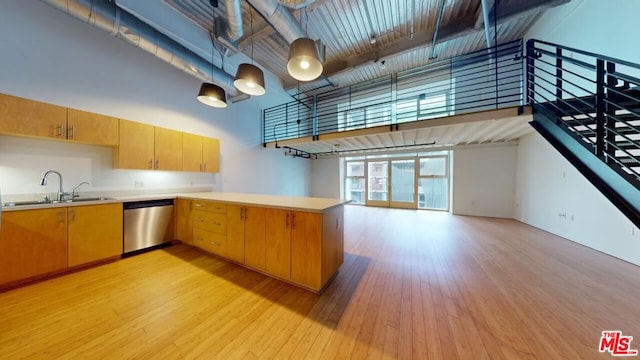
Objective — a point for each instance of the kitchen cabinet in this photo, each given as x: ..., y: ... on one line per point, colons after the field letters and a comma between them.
x: 278, y: 242
x: 167, y: 149
x: 200, y: 154
x: 183, y: 221
x: 94, y: 233
x: 209, y: 221
x: 32, y: 243
x: 146, y: 147
x: 246, y: 235
x: 136, y: 148
x: 91, y: 128
x: 25, y: 117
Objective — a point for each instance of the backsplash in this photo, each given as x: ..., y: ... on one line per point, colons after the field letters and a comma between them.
x: 24, y: 161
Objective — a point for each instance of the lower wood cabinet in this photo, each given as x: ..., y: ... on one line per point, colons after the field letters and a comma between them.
x: 94, y: 233
x: 32, y: 243
x: 183, y: 229
x: 278, y: 251
x: 304, y: 248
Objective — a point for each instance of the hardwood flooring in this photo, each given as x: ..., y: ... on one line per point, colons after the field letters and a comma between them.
x: 414, y: 285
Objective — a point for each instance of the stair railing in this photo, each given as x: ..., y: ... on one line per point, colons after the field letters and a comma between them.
x: 593, y: 97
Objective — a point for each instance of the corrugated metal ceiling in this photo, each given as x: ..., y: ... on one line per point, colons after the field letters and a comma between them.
x: 347, y: 26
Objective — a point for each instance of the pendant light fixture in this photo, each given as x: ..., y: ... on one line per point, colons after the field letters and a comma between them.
x: 304, y: 62
x: 211, y: 94
x: 249, y: 78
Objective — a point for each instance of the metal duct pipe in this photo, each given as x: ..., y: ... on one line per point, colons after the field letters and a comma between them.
x: 106, y: 15
x: 280, y: 18
x: 234, y: 19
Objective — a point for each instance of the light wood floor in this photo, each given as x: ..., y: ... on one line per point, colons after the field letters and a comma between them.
x: 414, y: 285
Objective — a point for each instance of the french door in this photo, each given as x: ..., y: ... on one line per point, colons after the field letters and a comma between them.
x: 392, y: 183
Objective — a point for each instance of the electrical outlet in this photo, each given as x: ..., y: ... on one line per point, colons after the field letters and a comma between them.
x: 138, y: 184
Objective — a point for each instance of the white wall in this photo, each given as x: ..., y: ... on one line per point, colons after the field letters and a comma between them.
x: 51, y: 57
x: 325, y: 177
x: 603, y: 27
x: 484, y: 180
x: 548, y: 185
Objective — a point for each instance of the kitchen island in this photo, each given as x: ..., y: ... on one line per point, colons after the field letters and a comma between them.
x: 296, y: 239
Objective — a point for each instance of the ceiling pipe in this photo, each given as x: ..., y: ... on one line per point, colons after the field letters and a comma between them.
x: 485, y: 17
x: 106, y: 15
x: 280, y: 18
x: 435, y: 32
x: 233, y: 11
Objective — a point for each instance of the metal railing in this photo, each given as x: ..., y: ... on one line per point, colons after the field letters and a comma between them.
x: 595, y: 98
x: 487, y: 79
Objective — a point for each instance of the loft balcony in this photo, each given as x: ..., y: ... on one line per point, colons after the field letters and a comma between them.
x: 470, y: 99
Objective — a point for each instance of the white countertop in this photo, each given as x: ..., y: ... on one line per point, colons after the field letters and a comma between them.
x: 310, y: 204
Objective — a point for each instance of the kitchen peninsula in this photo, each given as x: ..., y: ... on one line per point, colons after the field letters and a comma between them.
x: 295, y: 239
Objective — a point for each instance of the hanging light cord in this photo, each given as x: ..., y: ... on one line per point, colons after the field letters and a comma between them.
x: 251, y: 25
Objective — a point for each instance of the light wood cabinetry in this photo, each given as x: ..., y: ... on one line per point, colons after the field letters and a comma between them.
x: 94, y: 233
x: 200, y: 154
x: 278, y: 240
x: 24, y: 117
x: 183, y: 221
x: 211, y: 155
x: 136, y: 146
x: 32, y: 243
x: 300, y: 247
x: 91, y: 128
x: 209, y: 221
x: 167, y: 149
x: 246, y: 235
x: 146, y: 147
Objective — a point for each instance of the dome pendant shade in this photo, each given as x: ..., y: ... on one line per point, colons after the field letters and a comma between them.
x: 250, y: 80
x: 212, y: 95
x: 304, y: 63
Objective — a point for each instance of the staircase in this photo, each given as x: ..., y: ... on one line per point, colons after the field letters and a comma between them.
x: 588, y: 107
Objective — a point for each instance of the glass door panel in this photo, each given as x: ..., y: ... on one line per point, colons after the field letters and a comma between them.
x: 433, y: 193
x: 378, y: 183
x: 403, y: 183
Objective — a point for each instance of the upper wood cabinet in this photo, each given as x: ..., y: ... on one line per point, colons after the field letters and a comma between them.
x: 94, y: 233
x: 200, y: 154
x: 20, y: 116
x: 136, y: 149
x: 147, y: 147
x: 167, y: 149
x: 92, y: 128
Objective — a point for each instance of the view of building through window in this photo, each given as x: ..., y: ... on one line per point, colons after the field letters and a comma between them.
x: 408, y: 181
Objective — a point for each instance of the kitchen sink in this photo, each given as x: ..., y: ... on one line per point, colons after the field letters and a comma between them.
x: 45, y: 202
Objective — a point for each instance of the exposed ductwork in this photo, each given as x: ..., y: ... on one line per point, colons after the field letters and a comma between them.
x: 281, y: 18
x: 233, y: 11
x: 106, y: 15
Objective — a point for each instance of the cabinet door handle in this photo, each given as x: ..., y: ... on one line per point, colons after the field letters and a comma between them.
x: 200, y: 167
x: 157, y: 164
x: 245, y: 214
x: 337, y: 223
x: 60, y: 129
x: 293, y: 221
x: 198, y: 205
x: 287, y: 222
x: 151, y: 164
x: 61, y: 216
x: 73, y: 215
x: 71, y: 132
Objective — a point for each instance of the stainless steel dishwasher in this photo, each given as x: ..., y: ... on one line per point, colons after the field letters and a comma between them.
x: 147, y: 224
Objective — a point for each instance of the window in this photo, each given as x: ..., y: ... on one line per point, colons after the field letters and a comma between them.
x: 433, y: 183
x: 355, y: 182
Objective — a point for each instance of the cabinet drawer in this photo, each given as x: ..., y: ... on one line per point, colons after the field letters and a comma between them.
x: 209, y: 221
x: 210, y: 206
x: 209, y: 241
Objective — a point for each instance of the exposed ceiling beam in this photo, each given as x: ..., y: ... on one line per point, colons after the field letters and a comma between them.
x: 447, y: 32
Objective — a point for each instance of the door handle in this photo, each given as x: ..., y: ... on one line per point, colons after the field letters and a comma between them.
x: 157, y: 164
x: 287, y: 221
x: 151, y: 164
x: 293, y: 221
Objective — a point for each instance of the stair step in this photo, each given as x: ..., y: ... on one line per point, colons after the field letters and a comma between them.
x: 628, y: 145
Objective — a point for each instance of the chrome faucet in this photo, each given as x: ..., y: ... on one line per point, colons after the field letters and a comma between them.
x: 73, y: 192
x: 61, y: 193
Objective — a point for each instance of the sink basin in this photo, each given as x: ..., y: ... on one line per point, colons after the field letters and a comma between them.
x: 90, y: 199
x: 26, y: 203
x: 45, y: 202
